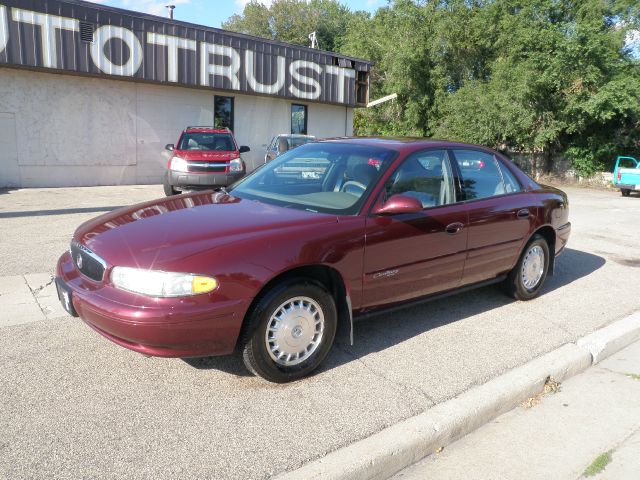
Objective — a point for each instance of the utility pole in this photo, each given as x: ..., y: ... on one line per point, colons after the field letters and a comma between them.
x: 170, y: 8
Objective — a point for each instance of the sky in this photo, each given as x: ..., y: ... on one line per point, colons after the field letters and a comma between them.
x: 211, y: 12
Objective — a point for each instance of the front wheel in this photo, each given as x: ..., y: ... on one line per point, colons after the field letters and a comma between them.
x: 168, y: 188
x: 625, y: 192
x: 525, y: 280
x: 290, y: 331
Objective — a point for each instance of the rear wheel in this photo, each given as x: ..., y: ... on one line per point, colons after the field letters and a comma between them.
x: 168, y: 188
x: 525, y: 280
x: 290, y: 331
x: 625, y: 192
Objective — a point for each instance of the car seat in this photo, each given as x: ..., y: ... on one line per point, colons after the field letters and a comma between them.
x: 416, y: 181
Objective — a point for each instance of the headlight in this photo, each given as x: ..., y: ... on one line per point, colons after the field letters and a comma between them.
x: 155, y: 283
x: 178, y: 164
x: 235, y: 165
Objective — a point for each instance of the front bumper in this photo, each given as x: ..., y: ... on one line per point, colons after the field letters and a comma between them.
x: 195, y: 326
x: 202, y: 180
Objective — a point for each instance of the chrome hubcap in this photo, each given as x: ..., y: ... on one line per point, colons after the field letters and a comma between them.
x: 294, y: 331
x: 532, y: 267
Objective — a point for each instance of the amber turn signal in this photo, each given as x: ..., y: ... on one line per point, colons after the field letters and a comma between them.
x: 203, y: 284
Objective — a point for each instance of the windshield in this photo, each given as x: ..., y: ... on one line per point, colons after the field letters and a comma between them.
x: 207, y: 141
x: 319, y: 177
x: 297, y: 141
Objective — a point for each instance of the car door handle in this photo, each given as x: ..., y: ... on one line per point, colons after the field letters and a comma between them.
x: 454, y: 228
x: 524, y: 213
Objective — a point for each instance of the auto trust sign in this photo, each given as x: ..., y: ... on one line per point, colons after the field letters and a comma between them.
x: 84, y: 38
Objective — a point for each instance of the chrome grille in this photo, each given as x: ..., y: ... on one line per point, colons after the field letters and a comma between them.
x: 87, y: 262
x: 207, y: 167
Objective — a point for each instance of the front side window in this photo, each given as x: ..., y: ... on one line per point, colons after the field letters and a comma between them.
x: 298, y: 119
x: 207, y: 141
x: 425, y: 176
x: 481, y: 177
x: 319, y: 177
x: 223, y: 112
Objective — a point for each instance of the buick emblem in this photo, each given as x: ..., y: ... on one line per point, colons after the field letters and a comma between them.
x: 79, y: 261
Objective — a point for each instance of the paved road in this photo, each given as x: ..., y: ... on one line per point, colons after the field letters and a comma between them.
x: 72, y: 404
x: 592, y: 414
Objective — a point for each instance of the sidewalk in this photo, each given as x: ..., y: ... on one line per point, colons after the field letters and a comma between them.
x: 591, y: 425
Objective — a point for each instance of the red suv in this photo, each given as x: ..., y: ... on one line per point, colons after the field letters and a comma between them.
x: 204, y: 157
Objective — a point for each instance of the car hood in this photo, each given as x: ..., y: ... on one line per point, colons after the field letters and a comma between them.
x: 205, y: 155
x: 155, y: 234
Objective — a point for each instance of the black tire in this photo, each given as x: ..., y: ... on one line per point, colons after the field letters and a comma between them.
x: 514, y: 284
x: 255, y: 351
x: 168, y: 188
x: 625, y: 192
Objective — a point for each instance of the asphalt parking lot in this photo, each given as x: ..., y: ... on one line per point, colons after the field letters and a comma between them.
x: 74, y: 405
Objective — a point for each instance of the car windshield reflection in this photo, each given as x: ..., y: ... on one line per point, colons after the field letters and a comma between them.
x: 321, y: 177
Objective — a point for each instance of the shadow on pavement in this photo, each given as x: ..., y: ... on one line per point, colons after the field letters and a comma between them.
x: 572, y: 265
x: 388, y: 329
x: 60, y: 211
x: 230, y: 364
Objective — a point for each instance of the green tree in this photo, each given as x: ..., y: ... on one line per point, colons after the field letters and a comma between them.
x: 292, y: 21
x: 535, y: 76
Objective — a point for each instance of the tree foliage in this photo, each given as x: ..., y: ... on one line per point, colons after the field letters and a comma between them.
x: 293, y: 20
x: 546, y: 76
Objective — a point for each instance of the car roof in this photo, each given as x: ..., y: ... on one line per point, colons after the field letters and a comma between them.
x: 295, y: 135
x: 206, y: 130
x: 403, y: 144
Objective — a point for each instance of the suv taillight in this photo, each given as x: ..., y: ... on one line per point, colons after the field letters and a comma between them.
x: 619, y: 175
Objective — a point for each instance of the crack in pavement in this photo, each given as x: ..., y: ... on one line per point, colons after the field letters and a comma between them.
x: 379, y: 374
x: 35, y: 298
x: 617, y: 446
x: 39, y: 289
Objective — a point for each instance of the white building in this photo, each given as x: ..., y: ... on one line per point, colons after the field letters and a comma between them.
x: 90, y: 95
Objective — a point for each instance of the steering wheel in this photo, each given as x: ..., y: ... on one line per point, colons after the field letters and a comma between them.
x: 353, y: 183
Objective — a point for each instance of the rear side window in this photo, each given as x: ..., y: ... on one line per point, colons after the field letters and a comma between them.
x: 481, y: 176
x: 627, y: 163
x: 207, y: 141
x: 511, y: 183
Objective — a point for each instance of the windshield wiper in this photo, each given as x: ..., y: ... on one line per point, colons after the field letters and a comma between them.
x: 223, y: 190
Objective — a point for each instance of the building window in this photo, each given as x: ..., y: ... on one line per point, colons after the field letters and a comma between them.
x: 362, y: 88
x: 223, y: 112
x: 298, y: 119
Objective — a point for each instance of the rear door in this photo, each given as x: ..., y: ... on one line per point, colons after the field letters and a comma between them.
x: 501, y: 215
x: 416, y: 254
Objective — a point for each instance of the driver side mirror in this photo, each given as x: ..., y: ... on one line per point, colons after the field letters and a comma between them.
x: 169, y: 146
x: 398, y: 204
x: 244, y: 149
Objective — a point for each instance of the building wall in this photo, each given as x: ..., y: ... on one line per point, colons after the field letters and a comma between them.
x: 64, y: 130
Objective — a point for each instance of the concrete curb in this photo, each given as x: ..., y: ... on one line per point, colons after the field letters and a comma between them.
x: 394, y: 448
x: 612, y: 338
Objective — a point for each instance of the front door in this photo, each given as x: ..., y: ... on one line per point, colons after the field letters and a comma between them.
x: 416, y: 254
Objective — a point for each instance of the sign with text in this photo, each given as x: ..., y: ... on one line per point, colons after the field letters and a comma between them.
x: 80, y: 37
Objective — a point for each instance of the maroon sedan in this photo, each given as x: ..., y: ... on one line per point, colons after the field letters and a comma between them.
x: 322, y: 234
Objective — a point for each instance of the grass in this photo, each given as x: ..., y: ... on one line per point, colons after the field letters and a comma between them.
x: 633, y: 376
x: 598, y: 464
